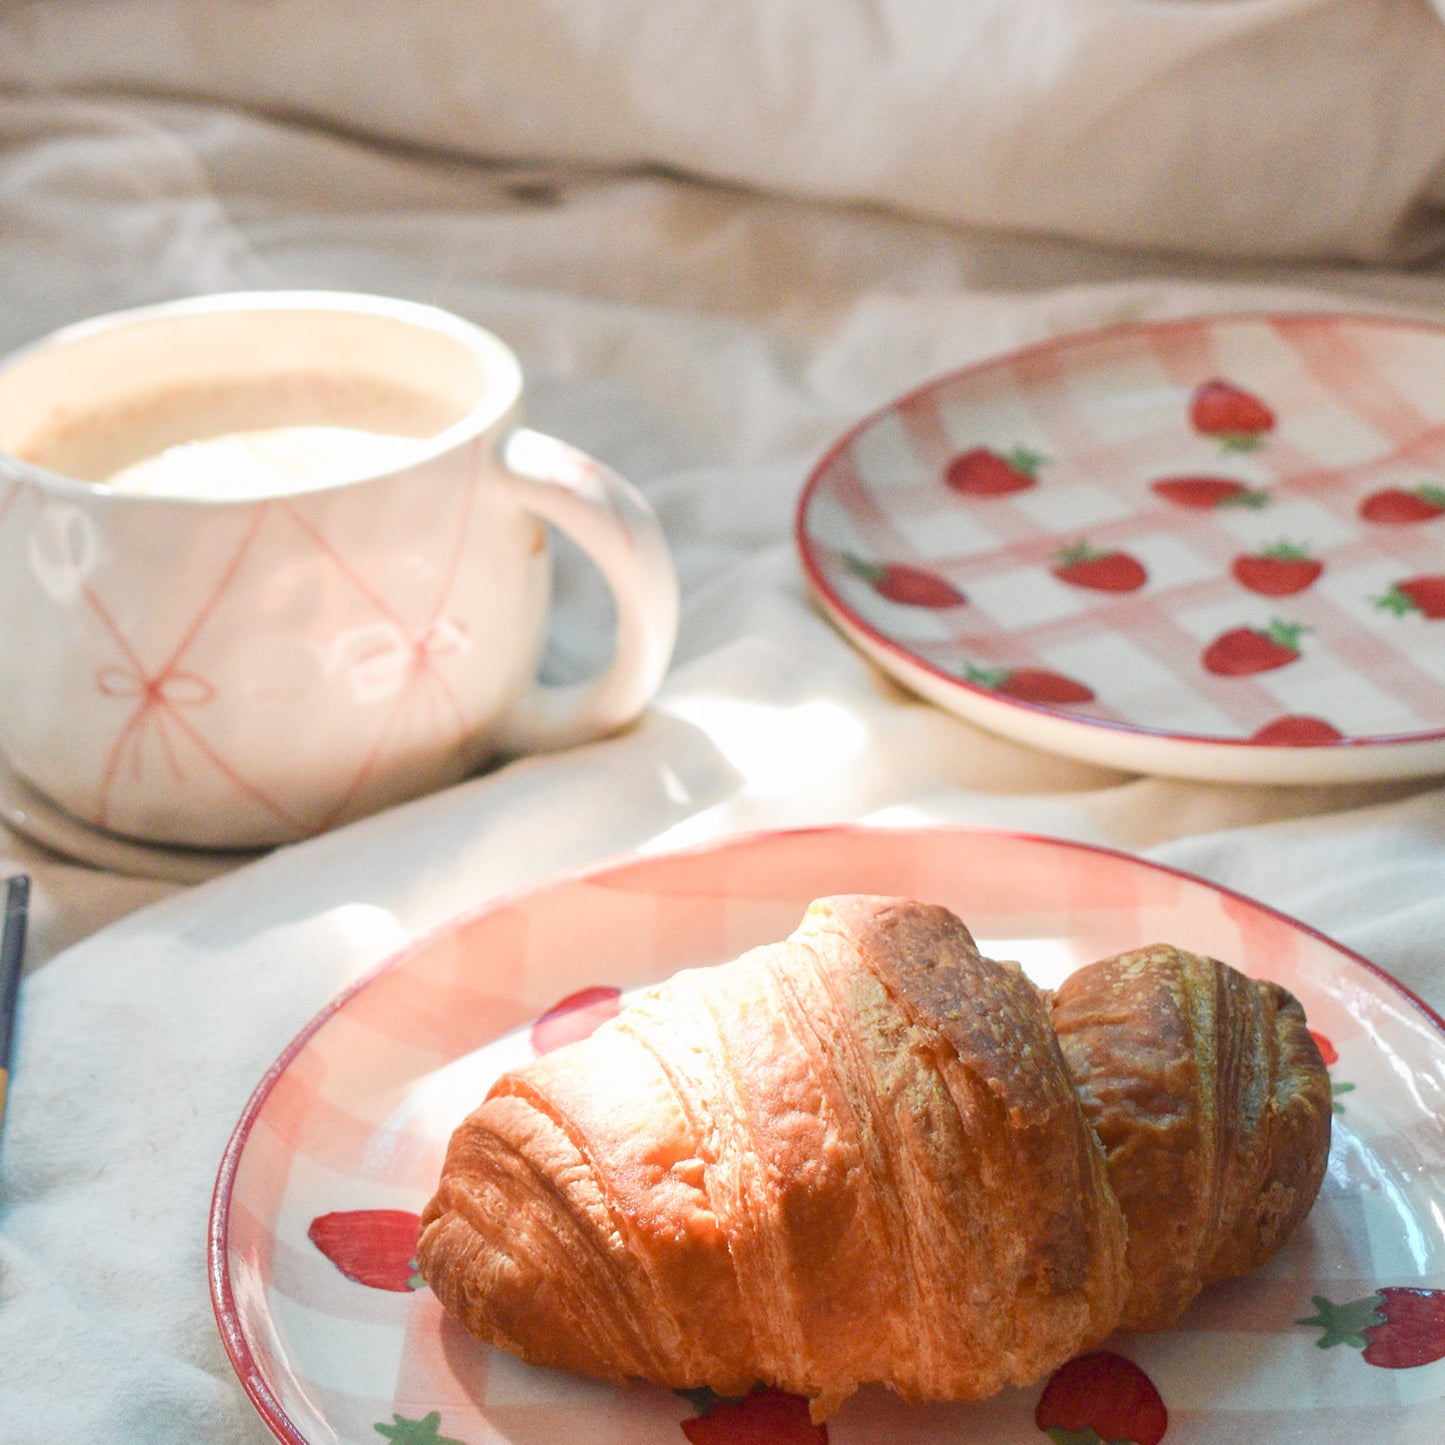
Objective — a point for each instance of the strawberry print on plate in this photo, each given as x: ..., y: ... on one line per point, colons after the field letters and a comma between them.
x: 1226, y: 533
x: 316, y: 1206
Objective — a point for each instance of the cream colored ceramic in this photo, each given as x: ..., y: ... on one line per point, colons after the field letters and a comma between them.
x: 217, y: 670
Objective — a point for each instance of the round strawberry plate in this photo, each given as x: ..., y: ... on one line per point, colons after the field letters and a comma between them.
x: 1211, y: 548
x: 1340, y: 1337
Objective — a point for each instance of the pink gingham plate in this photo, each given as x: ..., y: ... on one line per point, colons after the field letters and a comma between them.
x: 1211, y: 548
x: 343, y: 1139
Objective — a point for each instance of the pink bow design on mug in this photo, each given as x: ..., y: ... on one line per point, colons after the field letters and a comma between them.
x: 167, y: 689
x: 166, y: 692
x: 383, y: 657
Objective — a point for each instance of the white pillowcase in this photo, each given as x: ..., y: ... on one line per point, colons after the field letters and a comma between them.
x: 1270, y: 128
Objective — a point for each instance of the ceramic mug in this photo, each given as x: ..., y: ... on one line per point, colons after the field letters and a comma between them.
x: 273, y: 561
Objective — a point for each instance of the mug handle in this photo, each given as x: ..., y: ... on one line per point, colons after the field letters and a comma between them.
x: 613, y: 524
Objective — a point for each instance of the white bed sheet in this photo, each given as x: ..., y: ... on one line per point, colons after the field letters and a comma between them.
x: 1285, y: 128
x: 708, y: 342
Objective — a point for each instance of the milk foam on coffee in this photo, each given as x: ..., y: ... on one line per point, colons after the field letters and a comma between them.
x: 242, y: 439
x: 263, y: 463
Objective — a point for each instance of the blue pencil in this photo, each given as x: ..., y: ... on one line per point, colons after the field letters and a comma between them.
x: 12, y: 950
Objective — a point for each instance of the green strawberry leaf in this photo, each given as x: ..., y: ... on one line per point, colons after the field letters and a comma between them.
x: 1077, y: 552
x: 1025, y: 459
x: 870, y: 572
x: 1286, y: 634
x: 1286, y: 552
x: 704, y: 1399
x: 1335, y: 1091
x: 1240, y: 441
x: 1396, y: 602
x: 1344, y: 1324
x: 992, y: 678
x: 1250, y: 497
x: 416, y: 1432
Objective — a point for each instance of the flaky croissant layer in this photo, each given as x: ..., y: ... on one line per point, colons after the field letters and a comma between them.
x: 869, y: 1154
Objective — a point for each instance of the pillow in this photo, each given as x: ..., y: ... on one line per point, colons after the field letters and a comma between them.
x: 1263, y: 128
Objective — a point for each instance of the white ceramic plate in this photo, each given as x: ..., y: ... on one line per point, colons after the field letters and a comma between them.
x: 315, y: 1206
x: 1212, y: 548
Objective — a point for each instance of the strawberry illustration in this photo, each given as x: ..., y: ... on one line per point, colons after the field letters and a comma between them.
x: 1101, y: 1399
x: 983, y: 472
x: 766, y: 1417
x: 1293, y: 730
x: 1278, y: 570
x: 425, y: 1431
x: 1204, y: 493
x: 1330, y: 1055
x: 898, y: 582
x: 1081, y: 566
x: 1401, y: 506
x: 1245, y: 650
x: 1030, y: 684
x: 575, y: 1016
x: 374, y: 1247
x: 1394, y: 1328
x: 1236, y: 418
x: 1425, y: 595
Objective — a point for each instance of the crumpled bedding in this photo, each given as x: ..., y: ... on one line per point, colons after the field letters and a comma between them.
x: 1280, y: 128
x: 709, y: 340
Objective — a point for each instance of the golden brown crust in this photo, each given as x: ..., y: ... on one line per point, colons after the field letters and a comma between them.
x: 1213, y: 1107
x: 1004, y: 1198
x: 862, y: 1154
x: 1007, y: 1058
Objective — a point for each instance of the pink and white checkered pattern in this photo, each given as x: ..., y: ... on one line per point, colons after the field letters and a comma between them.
x: 356, y: 1115
x: 1356, y: 409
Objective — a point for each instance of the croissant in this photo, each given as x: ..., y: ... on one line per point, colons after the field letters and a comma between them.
x: 869, y: 1154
